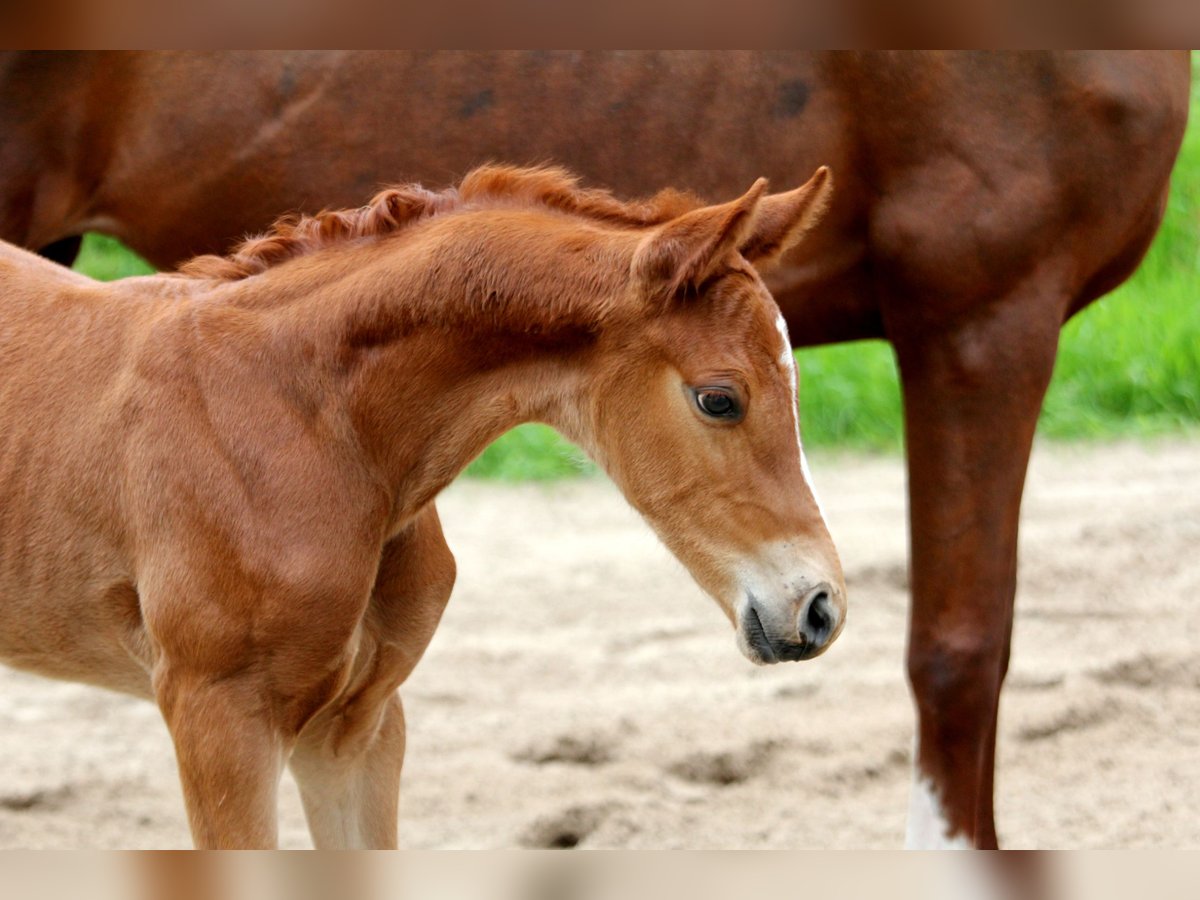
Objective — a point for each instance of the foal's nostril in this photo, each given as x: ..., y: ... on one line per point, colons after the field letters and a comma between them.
x: 819, y: 616
x: 817, y: 620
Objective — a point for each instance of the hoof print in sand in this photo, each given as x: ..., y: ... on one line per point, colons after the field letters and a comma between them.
x: 1147, y: 671
x: 1035, y: 681
x: 861, y: 775
x: 566, y: 829
x: 798, y: 691
x: 723, y: 768
x: 574, y: 749
x: 42, y: 799
x: 1073, y: 718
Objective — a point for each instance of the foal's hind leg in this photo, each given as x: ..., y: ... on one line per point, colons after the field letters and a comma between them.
x: 347, y: 761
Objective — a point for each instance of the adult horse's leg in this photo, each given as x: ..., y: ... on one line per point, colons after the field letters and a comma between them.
x: 973, y: 389
x: 347, y: 761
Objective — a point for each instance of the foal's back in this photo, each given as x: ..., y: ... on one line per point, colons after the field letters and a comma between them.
x: 64, y: 340
x: 62, y: 343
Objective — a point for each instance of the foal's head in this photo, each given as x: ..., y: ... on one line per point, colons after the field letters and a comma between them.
x: 693, y: 414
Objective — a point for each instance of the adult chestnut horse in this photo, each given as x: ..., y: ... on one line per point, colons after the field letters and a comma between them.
x: 216, y: 488
x: 983, y: 199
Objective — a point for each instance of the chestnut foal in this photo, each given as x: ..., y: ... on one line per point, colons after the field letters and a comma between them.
x: 216, y: 488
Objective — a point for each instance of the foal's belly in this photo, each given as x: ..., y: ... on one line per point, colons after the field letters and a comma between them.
x: 93, y: 635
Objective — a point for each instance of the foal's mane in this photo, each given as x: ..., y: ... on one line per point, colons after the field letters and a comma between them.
x: 396, y: 208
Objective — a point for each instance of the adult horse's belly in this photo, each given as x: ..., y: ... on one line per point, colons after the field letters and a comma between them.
x: 966, y: 167
x: 262, y: 134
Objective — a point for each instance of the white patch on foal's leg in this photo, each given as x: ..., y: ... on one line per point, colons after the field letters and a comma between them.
x: 928, y: 828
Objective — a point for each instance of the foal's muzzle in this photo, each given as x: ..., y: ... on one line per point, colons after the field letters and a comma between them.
x: 775, y: 638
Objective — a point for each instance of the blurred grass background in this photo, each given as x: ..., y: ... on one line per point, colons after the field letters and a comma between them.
x: 1129, y: 366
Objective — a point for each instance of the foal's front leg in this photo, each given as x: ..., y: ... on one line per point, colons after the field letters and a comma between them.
x: 351, y: 789
x: 238, y: 672
x: 230, y: 758
x: 347, y: 760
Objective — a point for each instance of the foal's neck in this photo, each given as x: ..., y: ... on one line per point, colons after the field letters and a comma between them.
x: 434, y: 348
x: 425, y: 405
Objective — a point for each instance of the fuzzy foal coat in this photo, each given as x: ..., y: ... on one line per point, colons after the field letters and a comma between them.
x: 216, y: 488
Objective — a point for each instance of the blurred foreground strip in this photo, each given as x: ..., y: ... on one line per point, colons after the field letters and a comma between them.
x: 611, y: 875
x: 175, y: 24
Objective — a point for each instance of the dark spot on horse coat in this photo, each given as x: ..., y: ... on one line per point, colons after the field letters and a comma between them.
x: 790, y: 100
x: 1047, y: 76
x: 287, y: 83
x: 476, y: 103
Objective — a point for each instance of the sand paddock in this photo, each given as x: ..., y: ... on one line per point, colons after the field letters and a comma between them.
x: 582, y: 690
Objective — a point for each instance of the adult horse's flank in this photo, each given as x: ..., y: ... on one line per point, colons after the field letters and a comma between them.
x: 983, y: 198
x: 216, y: 488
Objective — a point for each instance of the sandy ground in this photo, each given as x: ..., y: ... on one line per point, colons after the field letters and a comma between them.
x: 582, y: 688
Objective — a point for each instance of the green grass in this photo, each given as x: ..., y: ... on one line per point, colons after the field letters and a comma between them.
x: 1129, y: 366
x: 531, y: 453
x: 108, y: 259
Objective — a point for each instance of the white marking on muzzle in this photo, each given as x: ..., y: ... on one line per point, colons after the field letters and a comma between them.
x: 788, y: 361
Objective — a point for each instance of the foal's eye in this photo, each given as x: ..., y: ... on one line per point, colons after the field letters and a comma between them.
x: 717, y: 403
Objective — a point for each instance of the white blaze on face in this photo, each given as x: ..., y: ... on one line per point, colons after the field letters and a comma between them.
x: 788, y: 361
x: 927, y: 825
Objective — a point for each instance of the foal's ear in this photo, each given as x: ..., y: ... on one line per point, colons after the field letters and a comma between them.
x: 688, y: 249
x: 783, y: 219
